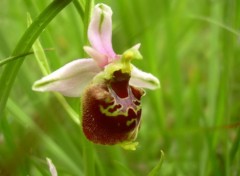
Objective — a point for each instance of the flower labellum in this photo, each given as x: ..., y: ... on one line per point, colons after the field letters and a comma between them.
x: 110, y: 86
x: 111, y: 107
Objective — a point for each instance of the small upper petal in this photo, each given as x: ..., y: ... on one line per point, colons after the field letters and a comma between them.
x: 69, y: 80
x: 143, y: 79
x: 100, y: 30
x: 99, y: 58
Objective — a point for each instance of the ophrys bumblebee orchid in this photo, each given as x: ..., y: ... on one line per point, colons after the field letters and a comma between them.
x: 110, y: 86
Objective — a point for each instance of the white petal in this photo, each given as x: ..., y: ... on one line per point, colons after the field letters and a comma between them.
x: 52, y: 168
x: 143, y: 79
x: 69, y: 80
x: 100, y: 30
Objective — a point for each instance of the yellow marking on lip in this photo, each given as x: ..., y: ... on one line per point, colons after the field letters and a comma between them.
x: 129, y: 122
x: 117, y: 112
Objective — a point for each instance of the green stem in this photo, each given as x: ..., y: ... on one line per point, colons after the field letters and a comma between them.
x: 87, y: 15
x: 88, y: 149
x: 24, y: 45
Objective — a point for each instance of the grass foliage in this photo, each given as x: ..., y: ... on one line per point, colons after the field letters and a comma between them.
x: 191, y: 46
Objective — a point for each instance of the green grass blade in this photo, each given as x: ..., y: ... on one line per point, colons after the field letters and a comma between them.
x: 79, y: 8
x: 24, y: 45
x: 39, y: 52
x: 235, y: 146
x: 157, y: 168
x: 44, y: 66
x: 53, y: 148
x: 13, y: 58
x: 217, y: 23
x: 5, y: 49
x: 73, y: 114
x: 88, y: 10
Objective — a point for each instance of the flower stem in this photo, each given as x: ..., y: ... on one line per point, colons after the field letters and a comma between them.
x: 87, y: 15
x: 88, y: 149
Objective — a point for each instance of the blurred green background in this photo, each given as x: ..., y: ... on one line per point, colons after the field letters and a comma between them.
x: 193, y: 47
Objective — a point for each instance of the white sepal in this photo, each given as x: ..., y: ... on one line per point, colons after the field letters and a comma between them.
x: 143, y: 79
x: 69, y: 80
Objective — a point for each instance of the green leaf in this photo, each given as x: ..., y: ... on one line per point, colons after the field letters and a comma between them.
x: 156, y: 169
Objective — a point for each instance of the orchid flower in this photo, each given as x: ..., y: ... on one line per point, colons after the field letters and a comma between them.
x: 110, y: 86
